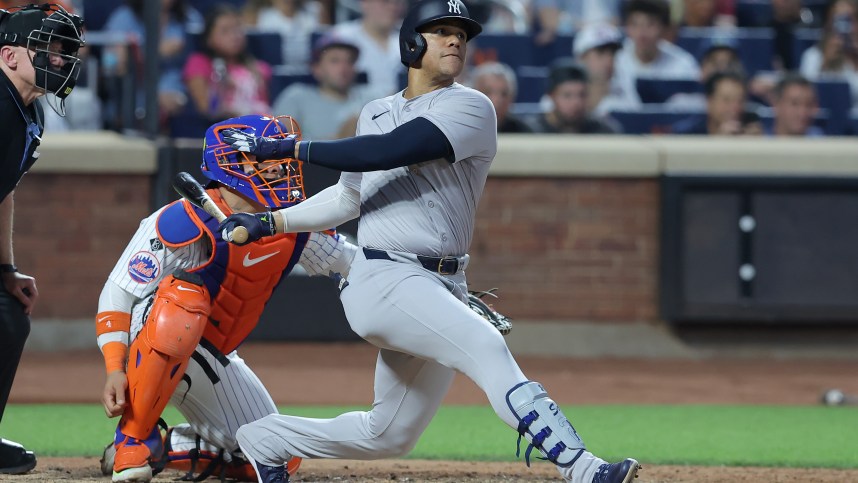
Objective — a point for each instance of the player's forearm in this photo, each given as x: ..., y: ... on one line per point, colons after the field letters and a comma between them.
x: 6, y: 214
x: 330, y: 207
x: 113, y: 324
x: 416, y: 141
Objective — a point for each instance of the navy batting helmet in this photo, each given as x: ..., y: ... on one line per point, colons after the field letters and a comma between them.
x: 412, y: 45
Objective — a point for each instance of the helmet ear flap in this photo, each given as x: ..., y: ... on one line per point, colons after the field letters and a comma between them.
x: 416, y: 45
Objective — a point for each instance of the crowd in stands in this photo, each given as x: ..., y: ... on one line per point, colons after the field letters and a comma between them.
x: 716, y: 67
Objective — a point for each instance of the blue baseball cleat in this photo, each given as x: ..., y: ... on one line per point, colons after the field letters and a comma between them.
x: 623, y: 472
x: 265, y: 473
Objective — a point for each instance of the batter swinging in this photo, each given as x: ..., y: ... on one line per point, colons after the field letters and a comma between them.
x: 414, y: 174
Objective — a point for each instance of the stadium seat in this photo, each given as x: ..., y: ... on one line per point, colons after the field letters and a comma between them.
x: 756, y: 45
x: 753, y: 13
x: 531, y: 83
x: 835, y: 97
x: 96, y: 13
x: 267, y: 46
x: 651, y: 120
x: 517, y: 50
x: 203, y: 6
x: 657, y: 91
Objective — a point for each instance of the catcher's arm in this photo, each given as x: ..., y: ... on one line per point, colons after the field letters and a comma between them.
x: 500, y: 321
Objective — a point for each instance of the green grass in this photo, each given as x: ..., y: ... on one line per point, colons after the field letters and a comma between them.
x: 700, y: 435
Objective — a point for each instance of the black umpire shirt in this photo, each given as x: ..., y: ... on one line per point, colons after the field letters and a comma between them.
x: 21, y: 129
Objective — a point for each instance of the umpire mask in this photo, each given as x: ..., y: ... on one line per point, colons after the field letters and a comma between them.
x: 54, y: 36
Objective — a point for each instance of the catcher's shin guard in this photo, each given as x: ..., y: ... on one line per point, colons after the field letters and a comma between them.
x: 544, y: 426
x: 159, y: 356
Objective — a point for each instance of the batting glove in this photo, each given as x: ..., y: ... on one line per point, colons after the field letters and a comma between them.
x: 258, y: 225
x: 262, y: 147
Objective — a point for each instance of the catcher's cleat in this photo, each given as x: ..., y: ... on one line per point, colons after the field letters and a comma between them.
x: 623, y: 472
x: 132, y: 456
x: 14, y: 459
x: 106, y: 461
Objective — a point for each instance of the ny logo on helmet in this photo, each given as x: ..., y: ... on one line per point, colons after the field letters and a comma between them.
x: 455, y: 6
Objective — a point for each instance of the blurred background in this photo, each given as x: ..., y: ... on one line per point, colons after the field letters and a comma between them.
x: 638, y: 186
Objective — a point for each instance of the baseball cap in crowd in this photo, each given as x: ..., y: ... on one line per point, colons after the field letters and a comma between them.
x: 596, y: 35
x: 330, y: 40
x: 717, y: 42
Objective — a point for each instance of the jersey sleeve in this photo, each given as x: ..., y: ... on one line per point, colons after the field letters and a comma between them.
x: 467, y: 118
x: 147, y: 260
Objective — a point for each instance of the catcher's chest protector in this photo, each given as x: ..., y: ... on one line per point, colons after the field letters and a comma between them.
x: 239, y: 278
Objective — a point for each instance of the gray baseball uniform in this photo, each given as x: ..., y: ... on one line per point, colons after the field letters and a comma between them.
x: 418, y: 318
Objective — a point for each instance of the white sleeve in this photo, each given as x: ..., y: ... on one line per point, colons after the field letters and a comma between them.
x: 114, y: 299
x: 146, y: 260
x: 467, y: 118
x: 330, y: 207
x: 326, y: 254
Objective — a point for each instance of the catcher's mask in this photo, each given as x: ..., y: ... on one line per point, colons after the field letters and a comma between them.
x: 275, y: 183
x: 55, y: 36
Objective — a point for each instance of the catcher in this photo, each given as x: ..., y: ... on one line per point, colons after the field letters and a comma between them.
x: 185, y: 300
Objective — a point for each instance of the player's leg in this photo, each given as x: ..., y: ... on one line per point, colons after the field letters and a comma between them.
x: 156, y: 363
x: 408, y: 391
x: 218, y: 394
x: 14, y: 329
x: 418, y: 313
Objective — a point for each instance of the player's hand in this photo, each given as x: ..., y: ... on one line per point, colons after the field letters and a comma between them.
x: 258, y: 225
x: 262, y: 147
x: 23, y: 287
x: 114, y: 394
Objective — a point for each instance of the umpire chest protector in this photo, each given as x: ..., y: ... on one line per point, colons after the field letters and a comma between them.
x: 22, y: 128
x: 240, y: 279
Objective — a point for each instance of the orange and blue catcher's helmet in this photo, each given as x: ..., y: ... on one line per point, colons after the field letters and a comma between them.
x: 275, y: 183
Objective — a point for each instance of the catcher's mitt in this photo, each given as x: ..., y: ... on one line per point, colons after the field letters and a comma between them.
x: 500, y: 321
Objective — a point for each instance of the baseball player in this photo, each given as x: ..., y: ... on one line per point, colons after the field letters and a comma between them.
x: 414, y: 174
x: 186, y: 299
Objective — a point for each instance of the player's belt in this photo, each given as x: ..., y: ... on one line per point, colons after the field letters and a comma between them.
x: 439, y: 265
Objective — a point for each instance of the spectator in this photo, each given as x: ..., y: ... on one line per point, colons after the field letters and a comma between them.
x: 497, y: 81
x: 725, y: 105
x: 645, y: 52
x: 377, y: 37
x: 223, y: 79
x: 177, y: 20
x: 795, y: 107
x: 595, y: 47
x: 836, y: 55
x: 707, y: 13
x: 718, y: 54
x: 295, y: 21
x: 787, y: 15
x: 567, y: 88
x: 565, y: 17
x: 323, y: 110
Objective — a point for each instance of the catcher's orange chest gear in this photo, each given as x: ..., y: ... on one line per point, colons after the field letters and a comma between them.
x: 239, y: 278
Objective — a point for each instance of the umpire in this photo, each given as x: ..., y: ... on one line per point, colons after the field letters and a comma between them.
x: 38, y: 56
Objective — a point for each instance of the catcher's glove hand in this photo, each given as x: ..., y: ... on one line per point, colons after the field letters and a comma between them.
x: 500, y: 321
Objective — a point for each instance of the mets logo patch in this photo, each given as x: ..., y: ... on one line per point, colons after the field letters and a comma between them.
x: 143, y: 267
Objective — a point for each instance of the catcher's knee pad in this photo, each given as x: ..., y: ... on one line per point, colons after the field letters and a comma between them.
x: 159, y: 355
x: 544, y: 426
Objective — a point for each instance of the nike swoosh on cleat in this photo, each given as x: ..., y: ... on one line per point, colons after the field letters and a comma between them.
x: 379, y: 115
x: 249, y: 262
x: 186, y: 289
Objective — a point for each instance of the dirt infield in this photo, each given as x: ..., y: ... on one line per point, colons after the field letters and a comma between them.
x: 347, y: 370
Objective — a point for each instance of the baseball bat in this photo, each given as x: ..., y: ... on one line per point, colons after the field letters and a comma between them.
x: 191, y: 190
